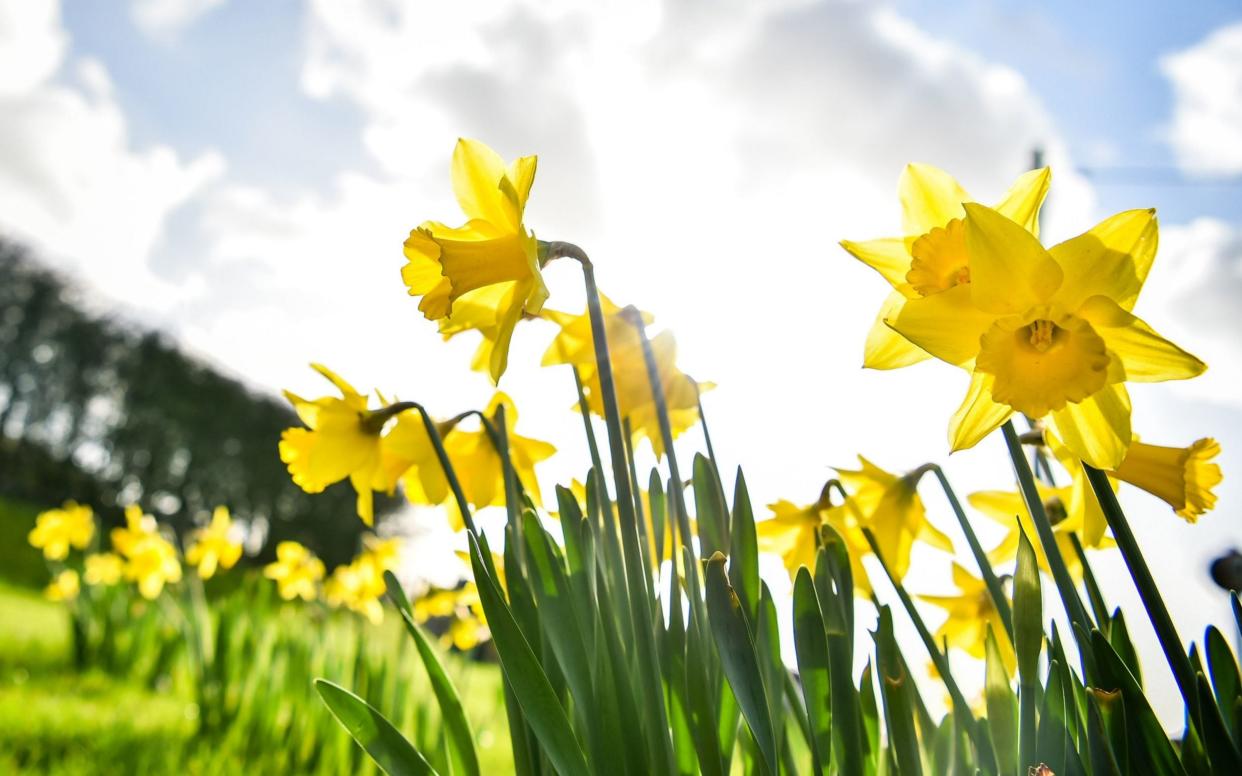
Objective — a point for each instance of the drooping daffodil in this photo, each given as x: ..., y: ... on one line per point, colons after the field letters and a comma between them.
x: 485, y: 274
x: 574, y: 345
x: 932, y: 256
x: 56, y: 530
x: 795, y: 534
x: 296, y: 571
x: 1049, y: 333
x: 342, y: 438
x: 65, y: 586
x: 214, y: 547
x: 478, y: 467
x: 970, y: 612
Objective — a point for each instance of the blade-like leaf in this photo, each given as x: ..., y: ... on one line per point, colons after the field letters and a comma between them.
x: 811, y: 648
x: 381, y: 740
x: 1002, y: 707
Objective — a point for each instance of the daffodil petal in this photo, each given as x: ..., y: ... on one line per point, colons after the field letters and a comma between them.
x: 945, y: 325
x: 1002, y: 506
x: 522, y: 175
x: 889, y: 256
x: 1111, y: 259
x: 930, y: 197
x: 1097, y: 429
x: 1010, y: 271
x: 477, y: 172
x: 510, y: 314
x: 1084, y: 502
x: 1022, y: 202
x: 885, y: 348
x: 1146, y: 356
x: 978, y: 416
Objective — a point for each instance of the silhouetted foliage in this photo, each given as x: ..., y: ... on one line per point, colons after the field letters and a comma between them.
x: 97, y: 410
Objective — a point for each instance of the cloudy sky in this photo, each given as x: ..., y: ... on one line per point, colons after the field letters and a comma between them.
x: 242, y: 174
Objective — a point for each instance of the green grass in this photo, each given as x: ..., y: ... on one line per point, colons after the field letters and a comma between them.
x: 20, y: 564
x: 34, y: 632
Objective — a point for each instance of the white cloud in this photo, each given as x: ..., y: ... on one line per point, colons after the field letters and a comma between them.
x: 166, y: 19
x: 1206, y: 133
x: 1192, y: 298
x: 73, y: 186
x: 32, y: 44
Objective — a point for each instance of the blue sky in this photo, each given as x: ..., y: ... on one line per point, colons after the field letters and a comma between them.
x: 242, y: 174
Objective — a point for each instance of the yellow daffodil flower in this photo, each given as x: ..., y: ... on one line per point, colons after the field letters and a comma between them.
x: 1182, y: 476
x: 478, y: 466
x: 342, y: 439
x: 150, y: 560
x: 214, y: 547
x: 409, y: 457
x: 970, y: 612
x: 890, y: 505
x: 104, y: 568
x: 635, y: 400
x: 1049, y: 332
x: 65, y: 586
x: 360, y: 585
x: 56, y: 530
x: 487, y: 271
x: 793, y: 533
x: 467, y: 630
x: 296, y: 571
x: 932, y: 257
x: 1067, y: 511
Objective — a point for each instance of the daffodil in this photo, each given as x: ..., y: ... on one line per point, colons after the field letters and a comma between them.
x: 65, y: 586
x: 970, y: 612
x: 1182, y: 476
x: 104, y: 568
x: 890, y: 505
x: 1070, y: 511
x: 466, y: 630
x: 932, y: 256
x: 214, y: 547
x: 794, y: 533
x: 56, y: 530
x: 358, y: 586
x: 409, y: 457
x: 478, y: 467
x: 150, y: 560
x: 486, y: 271
x: 296, y: 571
x: 1049, y: 332
x: 635, y: 399
x: 342, y: 439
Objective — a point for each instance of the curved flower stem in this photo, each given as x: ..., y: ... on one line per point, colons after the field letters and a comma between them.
x: 976, y: 549
x: 666, y: 431
x: 1035, y: 506
x: 1157, y: 613
x: 636, y: 573
x: 605, y: 501
x: 960, y: 707
x: 437, y: 443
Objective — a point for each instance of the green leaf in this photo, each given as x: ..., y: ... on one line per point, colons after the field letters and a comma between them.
x: 1225, y: 679
x: 834, y: 589
x: 709, y: 509
x: 1119, y: 636
x: 460, y: 736
x: 1002, y: 707
x: 744, y: 554
x: 811, y: 649
x: 655, y: 497
x: 540, y: 706
x: 895, y: 687
x: 1028, y: 607
x: 738, y: 657
x: 381, y: 740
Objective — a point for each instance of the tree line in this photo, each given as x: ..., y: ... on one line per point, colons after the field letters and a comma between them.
x: 102, y: 411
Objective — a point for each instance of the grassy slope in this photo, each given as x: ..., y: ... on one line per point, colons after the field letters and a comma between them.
x: 53, y: 721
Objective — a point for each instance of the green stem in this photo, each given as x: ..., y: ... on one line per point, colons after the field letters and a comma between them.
x: 961, y: 708
x: 437, y: 443
x: 1035, y: 507
x: 605, y: 500
x: 636, y: 572
x: 1174, y: 652
x: 976, y: 549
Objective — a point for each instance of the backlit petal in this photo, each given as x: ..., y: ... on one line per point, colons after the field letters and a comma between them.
x: 1112, y: 259
x: 1097, y: 429
x: 477, y: 172
x: 885, y: 348
x: 946, y: 325
x: 978, y: 416
x: 1009, y: 270
x: 1146, y: 356
x: 1022, y: 202
x: 930, y: 197
x: 889, y: 256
